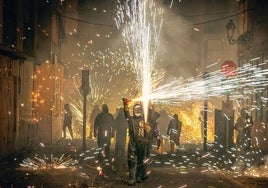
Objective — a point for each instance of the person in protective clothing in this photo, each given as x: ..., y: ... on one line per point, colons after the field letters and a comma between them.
x: 138, y: 143
x: 174, y: 131
x: 103, y: 127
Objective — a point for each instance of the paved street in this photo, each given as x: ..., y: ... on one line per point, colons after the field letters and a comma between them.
x: 64, y: 164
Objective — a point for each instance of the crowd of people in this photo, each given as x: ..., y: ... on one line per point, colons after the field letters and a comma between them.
x: 141, y: 134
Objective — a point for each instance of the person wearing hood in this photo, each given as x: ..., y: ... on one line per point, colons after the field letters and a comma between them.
x: 103, y: 127
x: 174, y: 132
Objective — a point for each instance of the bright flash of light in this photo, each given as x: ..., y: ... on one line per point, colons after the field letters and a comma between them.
x: 141, y: 35
x: 48, y: 162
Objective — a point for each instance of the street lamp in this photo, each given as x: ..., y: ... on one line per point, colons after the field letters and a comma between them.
x: 242, y: 40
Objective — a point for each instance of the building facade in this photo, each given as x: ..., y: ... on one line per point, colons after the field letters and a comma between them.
x: 29, y: 48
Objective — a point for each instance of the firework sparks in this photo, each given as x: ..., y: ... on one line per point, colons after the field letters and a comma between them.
x: 142, y: 25
x: 141, y: 35
x: 48, y: 162
x: 249, y: 79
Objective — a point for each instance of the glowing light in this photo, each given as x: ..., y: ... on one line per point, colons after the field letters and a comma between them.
x: 141, y: 35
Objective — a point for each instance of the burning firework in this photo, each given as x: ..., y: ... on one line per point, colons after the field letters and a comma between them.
x: 141, y: 35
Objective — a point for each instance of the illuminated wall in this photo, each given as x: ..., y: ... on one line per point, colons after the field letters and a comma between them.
x: 47, y: 101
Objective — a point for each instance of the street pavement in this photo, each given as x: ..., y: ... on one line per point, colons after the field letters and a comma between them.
x: 65, y: 164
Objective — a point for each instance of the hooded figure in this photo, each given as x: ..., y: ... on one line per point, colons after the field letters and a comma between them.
x: 174, y: 132
x: 95, y: 111
x: 103, y: 126
x: 243, y: 127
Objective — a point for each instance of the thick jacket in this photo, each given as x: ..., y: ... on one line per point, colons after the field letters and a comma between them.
x: 103, y: 125
x: 174, y: 129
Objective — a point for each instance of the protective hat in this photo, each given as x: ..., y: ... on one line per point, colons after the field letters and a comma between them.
x: 137, y: 110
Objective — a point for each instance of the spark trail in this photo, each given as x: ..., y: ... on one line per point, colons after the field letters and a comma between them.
x: 142, y: 24
x: 249, y: 79
x: 141, y: 34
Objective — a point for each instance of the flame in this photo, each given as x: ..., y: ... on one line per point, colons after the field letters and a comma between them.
x: 190, y: 116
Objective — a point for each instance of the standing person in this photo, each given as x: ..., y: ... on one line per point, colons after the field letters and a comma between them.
x: 243, y: 128
x: 248, y: 127
x: 174, y: 131
x: 243, y: 139
x: 137, y: 145
x: 95, y: 111
x: 103, y: 126
x: 120, y: 126
x: 67, y: 121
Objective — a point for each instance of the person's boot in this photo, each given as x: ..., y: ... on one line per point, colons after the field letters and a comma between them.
x: 132, y: 179
x: 139, y: 180
x: 131, y: 182
x: 144, y: 174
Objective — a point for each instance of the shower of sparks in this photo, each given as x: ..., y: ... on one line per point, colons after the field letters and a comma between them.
x: 142, y: 43
x: 141, y: 35
x: 48, y: 162
x: 107, y: 70
x: 260, y: 171
x: 77, y: 105
x: 249, y: 79
x: 141, y: 30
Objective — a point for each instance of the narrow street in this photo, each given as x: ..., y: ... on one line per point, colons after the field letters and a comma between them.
x: 64, y: 164
x: 189, y: 72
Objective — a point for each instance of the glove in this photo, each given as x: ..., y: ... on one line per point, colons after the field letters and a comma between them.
x: 147, y: 128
